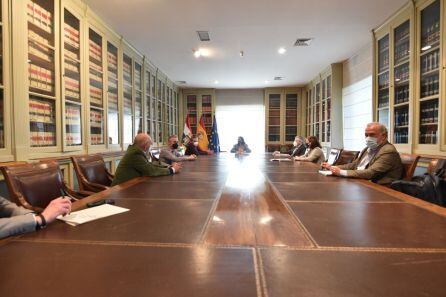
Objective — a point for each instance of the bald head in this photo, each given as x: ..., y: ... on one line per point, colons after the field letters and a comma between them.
x: 143, y: 141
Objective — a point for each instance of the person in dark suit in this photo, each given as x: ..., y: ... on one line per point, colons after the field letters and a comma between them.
x: 136, y: 163
x: 379, y: 162
x: 193, y: 149
x: 297, y: 150
x: 16, y: 220
x: 240, y: 147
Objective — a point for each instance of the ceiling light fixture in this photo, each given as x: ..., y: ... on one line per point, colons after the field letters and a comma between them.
x: 197, y: 54
x: 278, y: 78
x: 266, y: 81
x: 216, y: 82
x: 281, y: 50
x: 203, y: 35
x: 303, y: 41
x: 201, y: 52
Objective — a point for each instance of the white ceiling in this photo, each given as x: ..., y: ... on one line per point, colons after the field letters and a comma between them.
x: 165, y: 30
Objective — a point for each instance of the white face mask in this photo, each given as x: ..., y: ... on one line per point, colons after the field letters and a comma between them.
x: 196, y: 143
x: 371, y: 142
x: 295, y: 143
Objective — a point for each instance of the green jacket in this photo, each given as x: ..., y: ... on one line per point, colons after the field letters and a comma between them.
x: 135, y: 164
x: 383, y: 168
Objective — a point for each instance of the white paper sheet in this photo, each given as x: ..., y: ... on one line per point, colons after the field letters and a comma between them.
x: 325, y: 172
x: 281, y: 160
x: 91, y: 214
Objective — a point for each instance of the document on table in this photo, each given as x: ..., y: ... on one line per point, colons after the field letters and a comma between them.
x: 91, y: 214
x: 281, y: 160
x: 325, y: 172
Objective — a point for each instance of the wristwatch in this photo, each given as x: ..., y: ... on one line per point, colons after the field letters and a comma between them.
x: 43, y: 224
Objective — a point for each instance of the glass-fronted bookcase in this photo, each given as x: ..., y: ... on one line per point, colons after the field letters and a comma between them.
x: 199, y: 103
x: 409, y: 78
x: 283, y: 120
x: 323, y: 107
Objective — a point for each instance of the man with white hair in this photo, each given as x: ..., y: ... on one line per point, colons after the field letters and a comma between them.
x: 135, y: 162
x: 379, y: 162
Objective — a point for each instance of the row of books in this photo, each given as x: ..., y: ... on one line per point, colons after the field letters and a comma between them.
x: 402, y: 94
x: 138, y: 81
x: 96, y: 138
x: 72, y: 115
x: 96, y: 119
x: 384, y: 61
x: 402, y: 73
x: 73, y: 138
x: 207, y: 109
x: 429, y: 112
x: 71, y: 35
x: 41, y: 111
x: 42, y: 138
x: 383, y: 81
x: 95, y: 50
x: 95, y: 95
x: 428, y: 136
x: 39, y: 49
x: 401, y: 117
x: 402, y: 32
x: 401, y: 136
x: 112, y: 101
x: 72, y: 87
x: 112, y: 60
x: 430, y: 61
x: 96, y: 76
x: 39, y: 16
x: 402, y: 52
x: 40, y: 78
x: 71, y: 65
x: 432, y: 33
x: 430, y: 86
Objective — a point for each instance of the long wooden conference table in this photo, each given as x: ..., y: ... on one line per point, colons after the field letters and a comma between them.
x: 244, y: 226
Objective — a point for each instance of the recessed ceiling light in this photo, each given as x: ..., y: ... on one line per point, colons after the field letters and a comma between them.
x: 203, y: 35
x: 281, y: 50
x: 216, y: 82
x: 201, y: 52
x: 303, y: 41
x: 266, y: 81
x: 197, y: 53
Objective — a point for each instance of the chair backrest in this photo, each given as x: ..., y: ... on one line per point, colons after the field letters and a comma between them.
x: 346, y: 157
x: 333, y: 155
x: 34, y: 185
x: 410, y: 164
x: 91, y: 169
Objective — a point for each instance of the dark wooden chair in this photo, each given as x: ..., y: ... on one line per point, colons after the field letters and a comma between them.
x: 34, y: 185
x: 333, y: 155
x: 92, y: 174
x: 410, y: 164
x: 346, y: 157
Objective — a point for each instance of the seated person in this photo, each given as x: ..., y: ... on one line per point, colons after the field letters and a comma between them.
x: 193, y: 149
x: 297, y: 150
x: 379, y: 161
x: 16, y: 220
x: 135, y: 162
x: 314, y: 151
x: 172, y: 154
x: 240, y: 147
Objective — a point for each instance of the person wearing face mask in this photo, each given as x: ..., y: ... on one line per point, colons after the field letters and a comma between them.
x: 136, y: 163
x: 172, y: 154
x: 379, y: 162
x: 193, y: 149
x: 297, y: 150
x: 240, y: 147
x: 314, y: 151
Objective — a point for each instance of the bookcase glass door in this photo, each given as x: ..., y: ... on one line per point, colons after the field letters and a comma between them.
x: 206, y: 112
x: 191, y: 105
x: 72, y: 79
x: 112, y: 94
x: 41, y: 69
x: 328, y: 109
x: 291, y: 113
x: 138, y: 99
x: 274, y: 117
x: 2, y: 121
x: 429, y: 61
x: 96, y: 84
x: 148, y: 103
x: 401, y: 90
x: 317, y: 111
x: 128, y: 98
x: 383, y: 81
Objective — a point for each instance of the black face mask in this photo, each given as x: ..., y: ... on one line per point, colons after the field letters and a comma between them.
x: 175, y: 145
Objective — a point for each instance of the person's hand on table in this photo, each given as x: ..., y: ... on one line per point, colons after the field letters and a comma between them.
x: 336, y: 170
x: 326, y: 165
x: 176, y: 167
x: 58, y: 206
x: 191, y: 157
x: 297, y: 158
x: 276, y: 153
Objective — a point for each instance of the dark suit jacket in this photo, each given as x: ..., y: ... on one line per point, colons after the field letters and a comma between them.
x: 135, y: 164
x: 14, y: 219
x: 191, y: 149
x: 383, y: 168
x: 297, y: 151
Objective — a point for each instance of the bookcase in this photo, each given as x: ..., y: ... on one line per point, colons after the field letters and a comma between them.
x: 409, y: 77
x: 78, y: 87
x: 283, y: 119
x: 323, y: 107
x: 197, y: 103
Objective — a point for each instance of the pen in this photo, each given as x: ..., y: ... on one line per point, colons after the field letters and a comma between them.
x: 63, y: 195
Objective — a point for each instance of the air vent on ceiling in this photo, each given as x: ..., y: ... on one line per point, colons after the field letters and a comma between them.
x: 180, y: 82
x: 204, y: 35
x: 303, y: 41
x: 278, y: 78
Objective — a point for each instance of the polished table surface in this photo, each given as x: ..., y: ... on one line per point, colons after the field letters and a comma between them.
x: 245, y: 226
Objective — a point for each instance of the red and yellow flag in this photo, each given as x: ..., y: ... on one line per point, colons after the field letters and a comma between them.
x: 203, y: 142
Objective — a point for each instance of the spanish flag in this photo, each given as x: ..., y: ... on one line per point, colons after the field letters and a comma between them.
x: 203, y: 143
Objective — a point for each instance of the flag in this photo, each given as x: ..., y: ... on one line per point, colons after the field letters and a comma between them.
x: 187, y: 132
x: 203, y: 143
x: 215, y: 141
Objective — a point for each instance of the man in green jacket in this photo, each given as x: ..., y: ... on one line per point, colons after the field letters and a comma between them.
x: 379, y: 162
x: 135, y: 162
